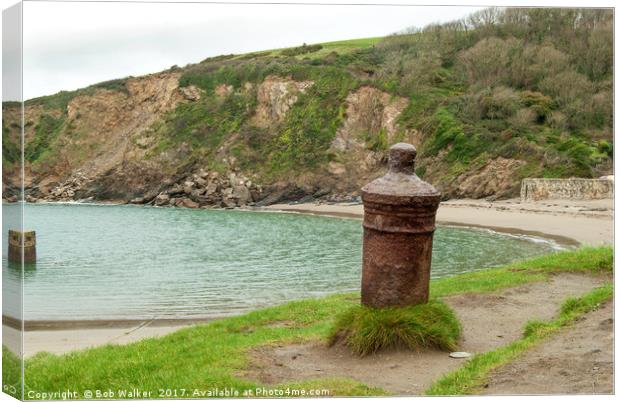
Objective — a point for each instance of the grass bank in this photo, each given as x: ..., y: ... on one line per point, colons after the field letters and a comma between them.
x: 208, y: 357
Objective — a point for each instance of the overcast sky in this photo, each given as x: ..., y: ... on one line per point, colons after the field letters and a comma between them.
x: 72, y: 45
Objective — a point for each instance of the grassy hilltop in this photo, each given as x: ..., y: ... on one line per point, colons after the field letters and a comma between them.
x: 488, y: 100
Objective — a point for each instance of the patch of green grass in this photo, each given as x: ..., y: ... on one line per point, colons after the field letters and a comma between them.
x: 318, y: 50
x: 593, y: 260
x: 118, y: 85
x: 450, y: 134
x: 584, y: 259
x: 11, y: 151
x: 255, y: 55
x: 212, y: 355
x: 346, y: 46
x: 11, y: 373
x: 335, y: 387
x: 295, y: 145
x: 472, y: 375
x: 377, y: 141
x: 46, y: 130
x: 61, y: 99
x: 484, y: 281
x: 58, y: 100
x: 204, y: 124
x: 367, y: 330
x: 203, y: 356
x: 321, y: 50
x: 311, y: 124
x: 301, y: 50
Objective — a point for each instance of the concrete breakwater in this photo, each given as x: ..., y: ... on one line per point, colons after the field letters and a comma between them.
x: 574, y: 189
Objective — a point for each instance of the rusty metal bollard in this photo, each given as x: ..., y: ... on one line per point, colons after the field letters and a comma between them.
x: 27, y: 240
x: 399, y: 222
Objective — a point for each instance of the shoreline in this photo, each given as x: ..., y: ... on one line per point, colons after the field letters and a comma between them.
x: 112, y: 323
x: 571, y: 223
x: 562, y: 241
x: 568, y: 222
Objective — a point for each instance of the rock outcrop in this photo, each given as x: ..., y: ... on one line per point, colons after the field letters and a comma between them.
x: 495, y: 179
x: 69, y: 189
x: 200, y: 189
x: 370, y: 125
x: 275, y: 96
x: 370, y: 112
x: 207, y: 189
x: 191, y: 93
x: 102, y: 126
x: 224, y: 90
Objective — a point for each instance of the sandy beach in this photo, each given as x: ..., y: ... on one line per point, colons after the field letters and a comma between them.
x: 566, y: 222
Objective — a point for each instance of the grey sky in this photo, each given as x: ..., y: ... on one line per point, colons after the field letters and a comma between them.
x: 72, y: 45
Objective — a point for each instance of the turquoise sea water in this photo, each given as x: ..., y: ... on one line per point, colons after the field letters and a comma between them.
x: 105, y: 262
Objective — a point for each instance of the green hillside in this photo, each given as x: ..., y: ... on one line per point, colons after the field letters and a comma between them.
x: 479, y: 88
x: 526, y: 92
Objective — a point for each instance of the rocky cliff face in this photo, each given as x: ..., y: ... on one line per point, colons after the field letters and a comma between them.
x: 106, y: 149
x: 493, y: 180
x: 97, y: 136
x: 113, y: 144
x: 110, y: 120
x: 275, y: 96
x: 369, y: 111
x: 370, y: 124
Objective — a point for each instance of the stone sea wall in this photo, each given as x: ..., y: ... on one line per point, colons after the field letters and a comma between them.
x: 574, y: 189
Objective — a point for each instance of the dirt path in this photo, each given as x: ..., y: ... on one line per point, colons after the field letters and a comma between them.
x: 489, y: 321
x: 577, y: 361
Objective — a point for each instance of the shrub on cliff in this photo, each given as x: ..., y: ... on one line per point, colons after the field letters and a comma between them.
x: 303, y: 49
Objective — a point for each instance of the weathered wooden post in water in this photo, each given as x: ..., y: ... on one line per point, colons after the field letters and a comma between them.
x: 27, y: 240
x: 399, y: 222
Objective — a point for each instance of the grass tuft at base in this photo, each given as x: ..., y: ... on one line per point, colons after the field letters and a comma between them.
x: 367, y: 330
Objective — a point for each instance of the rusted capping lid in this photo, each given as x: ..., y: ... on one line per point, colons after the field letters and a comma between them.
x: 400, y: 185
